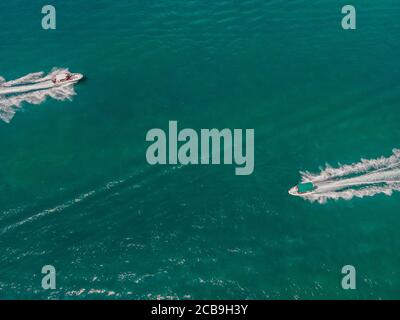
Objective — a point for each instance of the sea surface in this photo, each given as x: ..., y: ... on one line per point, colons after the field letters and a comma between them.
x: 77, y: 193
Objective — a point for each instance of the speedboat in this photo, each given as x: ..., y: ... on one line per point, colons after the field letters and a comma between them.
x: 66, y: 77
x: 303, y: 188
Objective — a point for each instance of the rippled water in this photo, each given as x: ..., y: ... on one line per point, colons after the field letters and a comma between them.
x: 76, y: 191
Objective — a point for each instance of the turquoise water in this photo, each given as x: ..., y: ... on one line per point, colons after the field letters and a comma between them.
x: 76, y: 191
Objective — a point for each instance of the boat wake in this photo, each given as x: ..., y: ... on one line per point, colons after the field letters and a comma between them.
x: 33, y: 88
x: 363, y: 179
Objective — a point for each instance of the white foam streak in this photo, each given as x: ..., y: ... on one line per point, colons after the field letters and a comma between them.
x: 30, y: 78
x: 352, y: 193
x: 363, y: 166
x: 363, y: 179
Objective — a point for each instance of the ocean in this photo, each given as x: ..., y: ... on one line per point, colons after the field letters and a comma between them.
x: 77, y: 193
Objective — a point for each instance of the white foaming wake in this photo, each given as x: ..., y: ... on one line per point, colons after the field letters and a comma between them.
x: 38, y: 84
x: 362, y: 179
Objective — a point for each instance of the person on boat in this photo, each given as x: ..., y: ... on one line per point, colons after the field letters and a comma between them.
x: 57, y: 78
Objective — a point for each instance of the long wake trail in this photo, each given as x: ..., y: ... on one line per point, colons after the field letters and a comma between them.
x: 366, y: 178
x: 33, y: 88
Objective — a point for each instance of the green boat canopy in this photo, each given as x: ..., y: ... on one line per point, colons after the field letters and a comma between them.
x: 305, y: 187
